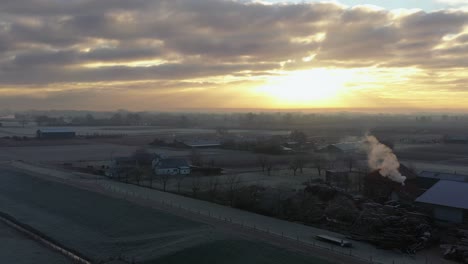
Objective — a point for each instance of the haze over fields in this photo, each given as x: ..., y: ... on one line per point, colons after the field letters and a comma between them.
x: 154, y: 55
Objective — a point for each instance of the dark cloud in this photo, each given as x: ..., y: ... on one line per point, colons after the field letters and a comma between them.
x: 47, y: 41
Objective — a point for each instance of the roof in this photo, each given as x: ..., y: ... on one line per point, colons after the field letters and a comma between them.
x: 172, y: 163
x: 343, y: 146
x: 446, y: 193
x: 444, y: 176
x: 330, y: 148
x: 457, y: 138
x: 55, y: 130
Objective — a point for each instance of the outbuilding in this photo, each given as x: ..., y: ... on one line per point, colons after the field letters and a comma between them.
x: 55, y: 133
x: 170, y: 166
x: 448, y: 201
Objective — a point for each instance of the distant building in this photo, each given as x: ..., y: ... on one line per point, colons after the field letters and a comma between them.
x: 330, y: 149
x: 170, y: 166
x: 342, y: 148
x: 379, y: 187
x: 201, y: 143
x: 456, y: 139
x: 55, y: 133
x: 448, y: 201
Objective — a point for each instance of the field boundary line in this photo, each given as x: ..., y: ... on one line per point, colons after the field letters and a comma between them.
x: 42, y: 238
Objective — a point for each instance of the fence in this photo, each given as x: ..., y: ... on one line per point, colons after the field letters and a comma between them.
x: 348, y: 252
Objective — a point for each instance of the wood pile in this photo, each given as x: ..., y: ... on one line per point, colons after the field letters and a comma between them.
x: 458, y: 250
x: 392, y: 227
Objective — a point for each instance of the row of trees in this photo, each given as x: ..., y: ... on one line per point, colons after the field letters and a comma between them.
x: 299, y: 162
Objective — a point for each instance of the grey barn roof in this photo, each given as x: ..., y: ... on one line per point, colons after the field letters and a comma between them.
x: 56, y: 130
x: 444, y: 176
x: 447, y: 193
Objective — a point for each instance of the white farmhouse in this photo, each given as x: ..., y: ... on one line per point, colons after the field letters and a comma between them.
x: 170, y: 166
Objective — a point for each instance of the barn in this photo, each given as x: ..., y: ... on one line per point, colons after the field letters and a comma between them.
x: 448, y: 201
x: 55, y: 133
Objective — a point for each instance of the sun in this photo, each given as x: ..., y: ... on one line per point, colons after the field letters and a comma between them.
x: 306, y: 87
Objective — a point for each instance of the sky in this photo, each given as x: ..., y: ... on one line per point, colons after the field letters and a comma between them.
x: 207, y: 54
x: 427, y: 5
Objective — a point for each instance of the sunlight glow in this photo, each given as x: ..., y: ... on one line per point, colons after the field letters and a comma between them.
x: 306, y: 87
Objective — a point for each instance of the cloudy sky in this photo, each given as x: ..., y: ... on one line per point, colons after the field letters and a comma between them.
x: 176, y: 54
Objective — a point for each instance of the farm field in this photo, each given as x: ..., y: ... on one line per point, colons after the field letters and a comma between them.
x: 19, y: 249
x: 236, y: 251
x: 128, y: 130
x: 102, y: 228
x: 97, y: 226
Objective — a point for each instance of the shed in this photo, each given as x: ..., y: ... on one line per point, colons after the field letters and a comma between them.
x: 448, y: 200
x: 55, y: 133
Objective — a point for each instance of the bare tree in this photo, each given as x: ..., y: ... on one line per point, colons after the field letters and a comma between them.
x: 232, y: 185
x: 196, y: 184
x: 151, y: 177
x: 142, y: 156
x: 262, y: 161
x: 23, y: 119
x: 179, y: 178
x: 269, y: 167
x: 301, y: 162
x: 350, y: 162
x: 293, y: 166
x: 196, y: 157
x: 164, y: 179
x: 137, y: 174
x: 213, y: 184
x: 319, y: 163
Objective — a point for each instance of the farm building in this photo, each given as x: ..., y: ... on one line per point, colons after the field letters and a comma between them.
x: 55, y: 133
x: 172, y: 166
x: 379, y: 187
x: 448, y: 201
x: 341, y: 148
x: 456, y: 139
x: 202, y: 143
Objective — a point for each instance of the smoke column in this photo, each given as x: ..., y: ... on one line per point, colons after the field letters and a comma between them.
x: 382, y: 158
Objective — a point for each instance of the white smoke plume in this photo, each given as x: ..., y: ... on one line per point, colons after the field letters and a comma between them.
x: 382, y: 158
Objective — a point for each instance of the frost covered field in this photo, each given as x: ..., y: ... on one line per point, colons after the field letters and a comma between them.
x: 97, y: 226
